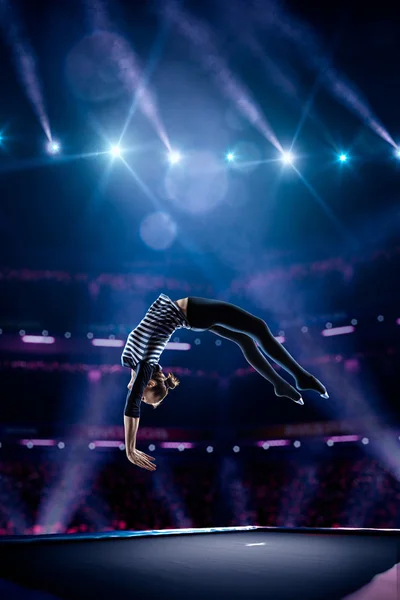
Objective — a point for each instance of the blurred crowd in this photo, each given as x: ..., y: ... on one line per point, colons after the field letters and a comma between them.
x: 38, y: 495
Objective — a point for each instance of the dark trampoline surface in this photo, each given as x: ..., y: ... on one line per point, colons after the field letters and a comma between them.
x: 259, y: 563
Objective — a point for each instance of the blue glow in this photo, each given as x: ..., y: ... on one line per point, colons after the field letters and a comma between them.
x: 53, y: 147
x: 287, y: 158
x: 115, y: 151
x: 174, y: 157
x: 343, y: 157
x: 396, y: 153
x: 230, y: 157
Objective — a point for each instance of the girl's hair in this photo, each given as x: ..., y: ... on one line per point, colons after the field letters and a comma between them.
x: 163, y: 386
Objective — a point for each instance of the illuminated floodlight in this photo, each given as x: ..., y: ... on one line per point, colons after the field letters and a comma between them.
x: 343, y: 157
x: 53, y: 147
x: 174, y: 157
x: 396, y: 152
x: 115, y: 151
x: 230, y: 157
x: 287, y: 158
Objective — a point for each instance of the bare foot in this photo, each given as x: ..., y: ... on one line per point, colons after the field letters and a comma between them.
x: 285, y: 390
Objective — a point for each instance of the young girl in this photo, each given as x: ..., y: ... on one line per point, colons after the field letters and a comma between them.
x: 147, y: 341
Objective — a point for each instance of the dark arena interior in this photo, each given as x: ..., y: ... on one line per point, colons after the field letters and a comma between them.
x: 199, y: 214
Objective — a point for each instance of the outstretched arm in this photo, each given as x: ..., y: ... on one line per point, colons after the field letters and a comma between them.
x: 132, y: 415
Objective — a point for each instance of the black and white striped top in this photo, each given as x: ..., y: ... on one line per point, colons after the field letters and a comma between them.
x: 148, y: 340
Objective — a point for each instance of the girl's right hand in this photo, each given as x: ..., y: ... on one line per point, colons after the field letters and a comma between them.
x: 140, y: 459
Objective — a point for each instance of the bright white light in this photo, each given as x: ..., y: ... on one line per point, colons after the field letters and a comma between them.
x: 338, y: 330
x: 297, y: 444
x: 396, y: 153
x: 174, y: 157
x: 61, y: 445
x: 365, y: 441
x: 53, y: 147
x: 230, y: 157
x: 343, y: 157
x: 236, y: 448
x: 38, y: 339
x: 108, y: 343
x: 115, y: 151
x: 287, y: 158
x: 209, y: 449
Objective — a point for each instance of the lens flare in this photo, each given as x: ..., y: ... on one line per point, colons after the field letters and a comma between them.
x: 115, y: 151
x: 287, y: 158
x: 174, y: 157
x: 53, y: 147
x: 343, y: 157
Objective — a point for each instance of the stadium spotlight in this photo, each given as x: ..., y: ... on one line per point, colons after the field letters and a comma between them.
x: 230, y: 157
x: 115, y: 151
x: 396, y: 152
x: 174, y: 157
x: 287, y: 158
x: 343, y: 157
x: 53, y: 147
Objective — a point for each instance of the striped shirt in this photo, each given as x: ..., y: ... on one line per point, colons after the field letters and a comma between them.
x: 148, y: 340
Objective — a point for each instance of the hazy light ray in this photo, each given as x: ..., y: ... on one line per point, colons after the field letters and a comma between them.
x: 78, y: 466
x: 25, y: 62
x: 306, y: 111
x: 45, y: 161
x: 154, y: 58
x: 142, y: 185
x: 327, y: 209
x: 236, y: 14
x: 200, y: 36
x: 248, y: 38
x: 303, y: 36
x: 134, y: 78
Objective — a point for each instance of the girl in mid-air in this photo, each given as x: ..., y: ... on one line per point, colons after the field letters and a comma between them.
x: 147, y: 341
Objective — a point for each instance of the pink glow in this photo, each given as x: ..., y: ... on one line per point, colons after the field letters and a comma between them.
x: 107, y: 343
x: 280, y: 338
x: 186, y: 445
x: 338, y: 330
x: 38, y: 442
x: 344, y: 438
x: 94, y: 375
x: 38, y: 339
x: 272, y: 443
x: 398, y: 321
x: 107, y: 443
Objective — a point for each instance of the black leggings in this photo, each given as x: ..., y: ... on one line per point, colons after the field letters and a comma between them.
x: 238, y: 325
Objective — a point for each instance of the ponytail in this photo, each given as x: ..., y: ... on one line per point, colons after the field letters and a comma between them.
x: 171, y: 381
